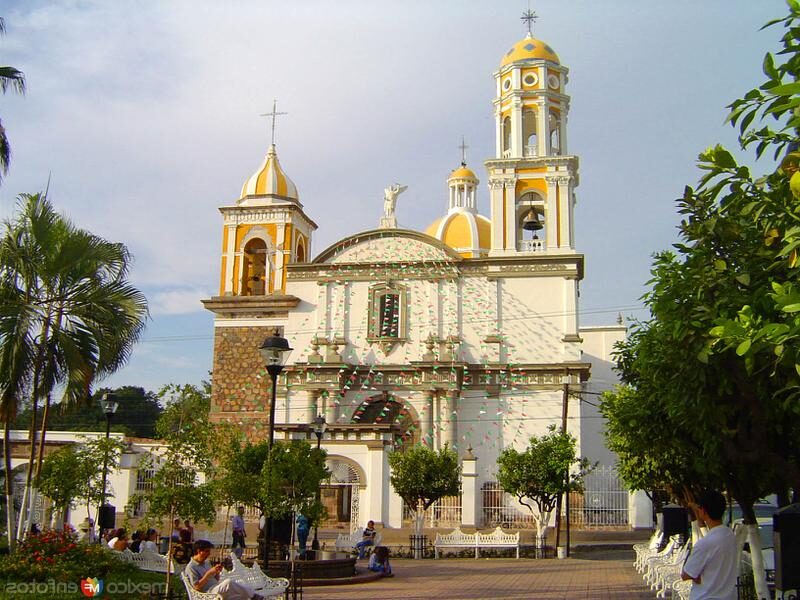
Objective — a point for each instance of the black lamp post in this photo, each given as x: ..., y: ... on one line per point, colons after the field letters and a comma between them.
x: 106, y: 511
x: 274, y: 350
x: 318, y: 425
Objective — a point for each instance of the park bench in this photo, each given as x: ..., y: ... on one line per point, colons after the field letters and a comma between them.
x: 458, y: 539
x: 147, y: 560
x: 346, y: 542
x: 253, y: 577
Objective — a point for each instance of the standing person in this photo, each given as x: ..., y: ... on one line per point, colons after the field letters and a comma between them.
x: 176, y: 530
x: 303, y: 527
x: 237, y: 526
x: 187, y: 533
x: 367, y: 539
x: 205, y: 578
x: 379, y: 561
x: 712, y: 565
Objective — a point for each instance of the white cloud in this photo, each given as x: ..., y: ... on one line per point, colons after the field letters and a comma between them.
x: 176, y: 302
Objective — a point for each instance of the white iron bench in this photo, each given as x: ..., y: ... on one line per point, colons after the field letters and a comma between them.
x: 458, y: 539
x: 147, y: 560
x: 253, y: 577
x: 345, y: 542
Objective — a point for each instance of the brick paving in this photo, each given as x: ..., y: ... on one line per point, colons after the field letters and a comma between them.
x: 595, y: 575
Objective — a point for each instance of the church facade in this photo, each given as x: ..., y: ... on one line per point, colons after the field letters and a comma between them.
x: 464, y: 335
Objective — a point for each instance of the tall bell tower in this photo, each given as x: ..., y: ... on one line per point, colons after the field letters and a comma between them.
x: 532, y: 177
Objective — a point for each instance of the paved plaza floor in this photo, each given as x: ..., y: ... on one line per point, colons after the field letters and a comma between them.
x: 596, y: 575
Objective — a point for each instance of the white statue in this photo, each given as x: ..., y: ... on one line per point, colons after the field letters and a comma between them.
x: 390, y: 195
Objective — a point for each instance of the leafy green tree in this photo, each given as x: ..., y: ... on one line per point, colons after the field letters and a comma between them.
x: 546, y: 469
x: 184, y: 471
x: 76, y: 472
x: 421, y: 476
x: 71, y: 315
x: 288, y: 483
x: 136, y: 416
x: 14, y: 79
x: 726, y: 304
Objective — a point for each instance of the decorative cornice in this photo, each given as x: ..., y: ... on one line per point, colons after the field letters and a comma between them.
x: 273, y: 305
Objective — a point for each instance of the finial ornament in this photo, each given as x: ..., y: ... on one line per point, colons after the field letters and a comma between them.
x: 529, y: 17
x: 273, y: 115
x: 463, y: 148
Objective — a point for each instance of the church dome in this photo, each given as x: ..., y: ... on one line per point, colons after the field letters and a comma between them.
x: 463, y: 173
x: 467, y: 233
x: 529, y: 48
x: 270, y: 180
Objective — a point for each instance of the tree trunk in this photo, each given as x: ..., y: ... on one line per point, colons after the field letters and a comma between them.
x: 169, y: 551
x: 9, y: 485
x: 759, y: 576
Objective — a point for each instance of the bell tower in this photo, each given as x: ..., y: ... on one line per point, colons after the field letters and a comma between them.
x: 532, y: 177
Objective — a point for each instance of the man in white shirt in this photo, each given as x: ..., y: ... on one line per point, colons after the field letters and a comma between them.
x: 712, y: 565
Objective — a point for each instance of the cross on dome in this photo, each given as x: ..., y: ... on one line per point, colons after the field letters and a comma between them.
x: 529, y: 17
x: 463, y: 146
x: 273, y: 115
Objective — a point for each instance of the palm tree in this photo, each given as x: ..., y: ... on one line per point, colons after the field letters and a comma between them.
x: 14, y: 79
x: 79, y: 314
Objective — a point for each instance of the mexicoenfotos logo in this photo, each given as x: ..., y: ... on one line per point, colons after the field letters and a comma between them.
x: 91, y: 587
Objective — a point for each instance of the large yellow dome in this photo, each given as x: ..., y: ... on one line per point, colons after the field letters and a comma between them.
x: 467, y: 233
x: 270, y: 180
x: 529, y: 48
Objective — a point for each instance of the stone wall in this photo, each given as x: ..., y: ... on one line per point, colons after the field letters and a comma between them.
x: 240, y: 382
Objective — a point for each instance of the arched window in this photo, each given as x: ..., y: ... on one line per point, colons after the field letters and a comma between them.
x: 531, y: 223
x: 301, y: 250
x: 555, y: 134
x: 529, y: 132
x: 255, y: 271
x: 506, y: 135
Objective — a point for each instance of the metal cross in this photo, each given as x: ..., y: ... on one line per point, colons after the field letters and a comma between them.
x: 273, y: 115
x: 530, y: 18
x: 463, y: 147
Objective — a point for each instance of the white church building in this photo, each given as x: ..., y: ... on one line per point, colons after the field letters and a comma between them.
x: 466, y: 334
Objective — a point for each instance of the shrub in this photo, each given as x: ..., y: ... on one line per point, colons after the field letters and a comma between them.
x: 57, y: 555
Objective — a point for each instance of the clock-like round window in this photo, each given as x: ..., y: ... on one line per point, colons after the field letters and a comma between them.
x: 530, y: 79
x: 553, y: 82
x: 507, y: 84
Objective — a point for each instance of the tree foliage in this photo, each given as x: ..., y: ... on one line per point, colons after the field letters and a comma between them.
x: 719, y: 359
x: 421, y: 476
x: 546, y: 469
x: 10, y: 78
x: 75, y: 472
x: 289, y: 482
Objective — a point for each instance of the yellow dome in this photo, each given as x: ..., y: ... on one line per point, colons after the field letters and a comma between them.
x: 270, y: 179
x: 527, y: 49
x: 463, y: 173
x: 467, y: 233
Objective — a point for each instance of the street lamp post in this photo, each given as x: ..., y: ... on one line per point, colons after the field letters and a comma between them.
x: 106, y: 511
x: 274, y: 350
x: 318, y: 425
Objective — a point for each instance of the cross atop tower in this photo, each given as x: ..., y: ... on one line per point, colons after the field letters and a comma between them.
x: 529, y: 17
x: 463, y: 146
x: 273, y: 115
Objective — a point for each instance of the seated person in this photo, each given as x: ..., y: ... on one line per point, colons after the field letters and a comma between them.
x: 113, y: 541
x: 136, y: 541
x: 205, y: 578
x: 150, y: 541
x: 379, y: 561
x: 367, y: 539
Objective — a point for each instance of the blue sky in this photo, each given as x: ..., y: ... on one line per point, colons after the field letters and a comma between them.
x: 146, y: 117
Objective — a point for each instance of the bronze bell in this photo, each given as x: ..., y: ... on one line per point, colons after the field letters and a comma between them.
x: 531, y: 221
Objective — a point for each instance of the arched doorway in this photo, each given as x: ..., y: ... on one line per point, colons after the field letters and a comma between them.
x: 387, y: 409
x: 340, y: 494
